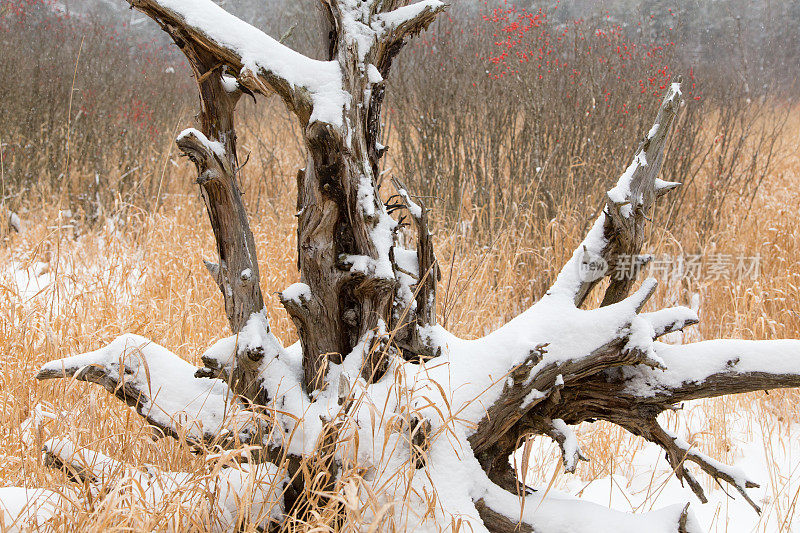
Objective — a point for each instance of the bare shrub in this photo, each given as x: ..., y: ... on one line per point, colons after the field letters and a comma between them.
x: 84, y: 115
x: 526, y: 112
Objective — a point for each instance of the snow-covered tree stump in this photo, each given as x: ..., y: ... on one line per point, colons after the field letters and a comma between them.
x: 374, y: 386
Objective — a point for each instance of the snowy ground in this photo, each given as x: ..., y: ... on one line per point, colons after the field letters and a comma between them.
x: 638, y: 478
x: 626, y: 473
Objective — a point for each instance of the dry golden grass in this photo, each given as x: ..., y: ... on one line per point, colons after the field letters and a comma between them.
x: 142, y: 273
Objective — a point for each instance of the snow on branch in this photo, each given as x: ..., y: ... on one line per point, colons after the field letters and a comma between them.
x: 207, y: 154
x: 85, y: 465
x: 408, y: 20
x: 670, y: 320
x: 565, y: 437
x: 162, y: 388
x: 618, y: 234
x: 633, y: 396
x: 376, y: 30
x: 715, y: 368
x: 260, y: 485
x: 527, y: 362
x: 312, y: 88
x: 395, y: 26
x: 420, y: 269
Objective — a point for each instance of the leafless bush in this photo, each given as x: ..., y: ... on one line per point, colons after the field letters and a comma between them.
x: 494, y: 131
x: 529, y: 113
x: 78, y: 123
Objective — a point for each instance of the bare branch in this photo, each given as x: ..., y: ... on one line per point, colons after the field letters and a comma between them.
x: 409, y: 318
x: 633, y: 396
x: 394, y: 27
x: 679, y: 451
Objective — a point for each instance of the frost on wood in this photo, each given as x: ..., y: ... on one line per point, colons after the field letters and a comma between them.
x: 375, y: 389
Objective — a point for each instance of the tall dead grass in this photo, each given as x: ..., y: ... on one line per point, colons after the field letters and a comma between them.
x: 68, y: 287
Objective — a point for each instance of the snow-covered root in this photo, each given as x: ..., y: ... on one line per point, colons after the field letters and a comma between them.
x: 231, y: 495
x: 163, y: 389
x: 550, y: 345
x: 633, y: 396
x: 554, y: 513
x: 27, y: 509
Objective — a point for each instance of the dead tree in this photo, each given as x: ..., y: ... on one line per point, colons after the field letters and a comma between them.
x: 365, y: 310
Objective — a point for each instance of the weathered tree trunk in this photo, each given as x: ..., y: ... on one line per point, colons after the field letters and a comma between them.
x: 365, y: 304
x: 344, y: 232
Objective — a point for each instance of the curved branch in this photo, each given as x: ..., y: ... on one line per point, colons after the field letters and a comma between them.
x: 395, y: 26
x: 162, y: 388
x: 262, y: 64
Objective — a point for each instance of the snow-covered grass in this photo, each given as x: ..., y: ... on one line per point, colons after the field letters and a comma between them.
x: 142, y: 273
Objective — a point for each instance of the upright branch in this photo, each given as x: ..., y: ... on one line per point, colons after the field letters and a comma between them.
x: 229, y: 57
x: 418, y: 274
x: 613, y: 246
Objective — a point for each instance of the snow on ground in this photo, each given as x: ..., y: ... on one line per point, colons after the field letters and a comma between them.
x: 639, y: 479
x: 84, y: 267
x: 22, y: 508
x: 629, y: 475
